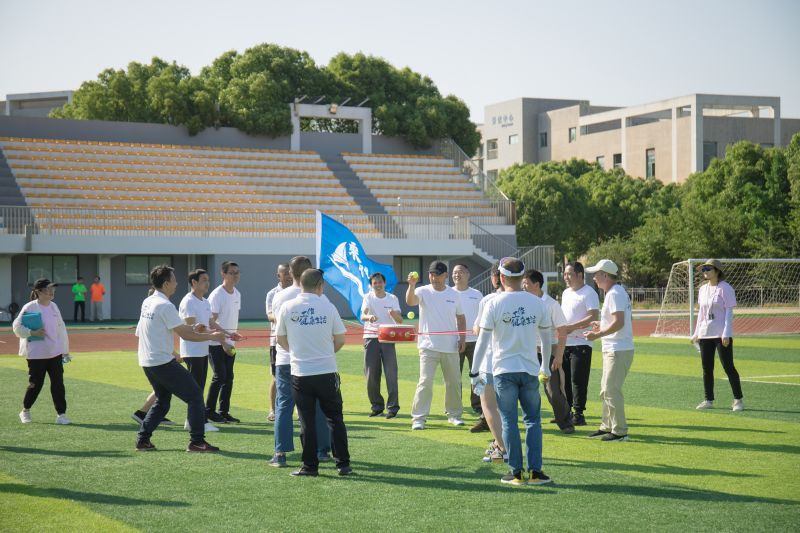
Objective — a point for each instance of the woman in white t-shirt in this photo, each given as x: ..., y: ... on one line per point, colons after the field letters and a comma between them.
x: 714, y: 332
x: 46, y: 348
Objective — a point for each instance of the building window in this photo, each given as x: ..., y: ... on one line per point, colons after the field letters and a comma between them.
x: 601, y: 161
x: 709, y: 153
x: 617, y: 160
x: 572, y: 136
x: 479, y: 154
x: 491, y: 149
x: 543, y: 140
x: 138, y: 267
x: 56, y: 268
x: 650, y: 157
x: 405, y: 265
x: 513, y: 139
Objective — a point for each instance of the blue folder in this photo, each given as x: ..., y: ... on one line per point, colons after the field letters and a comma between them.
x: 33, y: 321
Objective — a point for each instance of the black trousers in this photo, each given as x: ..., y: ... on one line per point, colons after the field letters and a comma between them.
x: 379, y: 355
x: 37, y: 369
x: 707, y: 348
x: 467, y: 355
x: 577, y: 366
x: 555, y: 389
x: 82, y: 307
x: 222, y: 382
x: 168, y: 379
x: 198, y: 368
x: 322, y: 388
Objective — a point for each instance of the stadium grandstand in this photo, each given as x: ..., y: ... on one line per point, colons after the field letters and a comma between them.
x: 113, y: 199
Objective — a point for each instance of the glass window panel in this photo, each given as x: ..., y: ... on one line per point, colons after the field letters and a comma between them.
x: 65, y: 269
x: 40, y: 266
x: 136, y: 270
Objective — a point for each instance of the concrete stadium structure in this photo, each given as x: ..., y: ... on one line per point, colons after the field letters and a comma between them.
x: 667, y: 140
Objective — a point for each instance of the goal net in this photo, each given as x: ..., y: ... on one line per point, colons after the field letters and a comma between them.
x: 767, y: 295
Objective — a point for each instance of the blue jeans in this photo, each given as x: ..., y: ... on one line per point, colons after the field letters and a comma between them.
x: 284, y: 413
x: 520, y: 388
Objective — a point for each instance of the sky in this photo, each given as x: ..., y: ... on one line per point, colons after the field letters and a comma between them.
x: 615, y: 53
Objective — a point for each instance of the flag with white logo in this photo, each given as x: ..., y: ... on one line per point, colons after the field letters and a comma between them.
x: 347, y: 268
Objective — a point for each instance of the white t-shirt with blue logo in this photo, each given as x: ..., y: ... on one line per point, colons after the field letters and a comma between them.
x: 198, y: 308
x: 437, y: 314
x: 515, y: 319
x: 283, y: 357
x: 156, y: 321
x: 309, y: 323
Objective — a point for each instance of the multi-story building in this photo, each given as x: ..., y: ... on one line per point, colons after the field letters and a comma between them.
x: 667, y: 140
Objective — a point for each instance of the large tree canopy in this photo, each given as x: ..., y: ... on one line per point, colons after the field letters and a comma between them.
x: 251, y: 91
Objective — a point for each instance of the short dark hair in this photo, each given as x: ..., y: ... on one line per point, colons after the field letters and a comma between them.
x: 513, y: 265
x: 535, y: 276
x: 298, y: 265
x: 160, y: 275
x: 80, y: 278
x: 283, y: 265
x: 195, y: 274
x: 311, y: 279
x: 495, y: 271
x: 226, y: 265
x: 577, y: 266
x: 377, y: 275
x: 461, y: 265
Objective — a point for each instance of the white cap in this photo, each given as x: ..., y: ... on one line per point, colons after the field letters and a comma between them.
x: 606, y: 265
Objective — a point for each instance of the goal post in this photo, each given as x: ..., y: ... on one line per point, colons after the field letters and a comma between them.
x: 767, y: 295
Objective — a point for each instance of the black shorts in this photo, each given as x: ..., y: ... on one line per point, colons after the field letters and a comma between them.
x: 273, y: 354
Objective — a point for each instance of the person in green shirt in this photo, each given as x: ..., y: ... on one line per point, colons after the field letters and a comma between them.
x: 79, y: 295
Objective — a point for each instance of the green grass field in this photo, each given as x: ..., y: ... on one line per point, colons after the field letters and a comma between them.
x: 682, y: 469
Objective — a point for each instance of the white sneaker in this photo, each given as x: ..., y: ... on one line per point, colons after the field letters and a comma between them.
x: 63, y: 420
x: 210, y: 427
x: 25, y: 417
x: 705, y: 404
x: 455, y: 421
x: 738, y: 405
x: 418, y: 424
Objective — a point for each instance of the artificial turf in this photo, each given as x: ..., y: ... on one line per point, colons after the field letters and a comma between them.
x: 682, y: 469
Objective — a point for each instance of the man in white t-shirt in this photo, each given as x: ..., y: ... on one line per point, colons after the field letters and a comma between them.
x: 195, y: 311
x: 441, y: 315
x: 284, y: 281
x: 284, y: 398
x: 158, y: 321
x: 616, y: 331
x: 532, y: 282
x: 512, y: 323
x: 581, y: 306
x: 470, y: 300
x: 380, y: 307
x: 310, y: 328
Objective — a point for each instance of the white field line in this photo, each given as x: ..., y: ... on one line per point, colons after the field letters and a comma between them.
x: 758, y: 379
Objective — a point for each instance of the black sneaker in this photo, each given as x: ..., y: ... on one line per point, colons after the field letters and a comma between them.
x: 569, y: 430
x: 145, y: 446
x: 345, y: 470
x: 305, y: 472
x: 611, y: 437
x: 229, y: 419
x: 579, y: 420
x: 214, y: 416
x: 514, y: 479
x: 553, y: 421
x: 598, y: 433
x: 201, y: 447
x: 167, y: 422
x: 538, y: 478
x: 376, y: 412
x: 324, y: 457
x: 391, y: 414
x: 138, y: 416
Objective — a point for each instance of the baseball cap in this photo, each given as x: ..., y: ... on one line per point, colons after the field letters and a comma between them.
x: 43, y: 283
x: 438, y: 268
x: 606, y: 265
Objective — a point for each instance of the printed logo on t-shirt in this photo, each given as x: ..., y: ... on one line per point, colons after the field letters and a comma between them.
x: 519, y: 318
x: 308, y: 318
x: 450, y: 301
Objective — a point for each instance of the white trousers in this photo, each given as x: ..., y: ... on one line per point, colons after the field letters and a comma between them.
x: 428, y: 361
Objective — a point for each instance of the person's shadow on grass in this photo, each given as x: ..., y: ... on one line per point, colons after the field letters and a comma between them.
x: 82, y: 496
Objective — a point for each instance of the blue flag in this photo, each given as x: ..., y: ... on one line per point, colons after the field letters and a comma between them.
x: 347, y: 268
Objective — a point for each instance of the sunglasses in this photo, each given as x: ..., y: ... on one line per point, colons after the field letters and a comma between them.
x: 707, y: 269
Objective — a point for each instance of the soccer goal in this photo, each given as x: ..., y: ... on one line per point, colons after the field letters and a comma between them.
x: 767, y: 294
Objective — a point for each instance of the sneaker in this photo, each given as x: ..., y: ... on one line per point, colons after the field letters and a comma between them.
x: 201, y: 447
x: 705, y: 404
x: 63, y: 420
x: 480, y: 425
x: 538, y: 478
x: 167, y: 422
x: 391, y: 414
x: 278, y: 460
x: 492, y: 447
x: 599, y: 433
x: 578, y: 420
x: 210, y: 428
x: 738, y: 405
x: 497, y: 456
x: 305, y: 472
x: 344, y: 470
x: 569, y: 430
x: 271, y: 416
x: 611, y: 437
x: 145, y: 446
x: 138, y: 416
x: 324, y: 457
x: 418, y: 425
x: 214, y: 416
x: 513, y: 479
x: 25, y: 416
x: 455, y: 421
x: 375, y: 412
x: 186, y: 425
x: 229, y: 419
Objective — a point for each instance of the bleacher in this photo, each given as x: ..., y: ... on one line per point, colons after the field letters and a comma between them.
x: 418, y: 185
x: 141, y: 187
